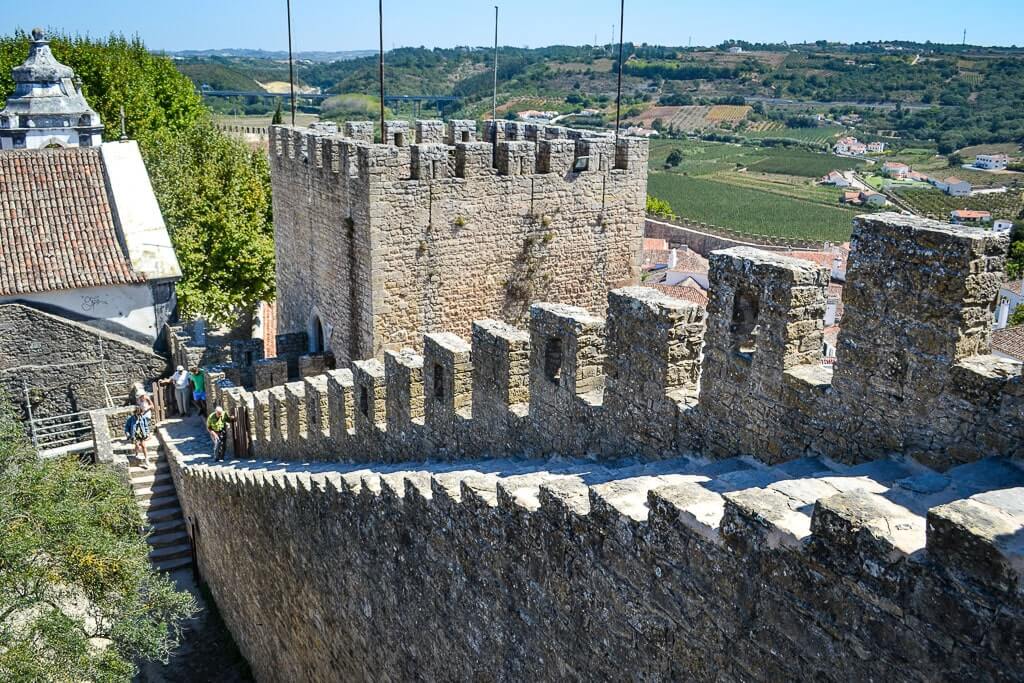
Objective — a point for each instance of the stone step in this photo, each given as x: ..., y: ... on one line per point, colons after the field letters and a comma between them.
x: 171, y: 552
x: 163, y: 514
x: 163, y: 540
x: 174, y: 524
x: 167, y: 566
x: 150, y: 478
x: 153, y: 504
x: 159, y: 491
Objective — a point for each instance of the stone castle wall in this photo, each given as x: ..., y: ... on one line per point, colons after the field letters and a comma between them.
x: 662, y: 377
x: 479, y: 522
x: 64, y: 363
x: 435, y: 229
x: 417, y: 575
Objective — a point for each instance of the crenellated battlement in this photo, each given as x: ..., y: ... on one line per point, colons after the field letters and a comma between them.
x: 452, y: 150
x: 662, y: 377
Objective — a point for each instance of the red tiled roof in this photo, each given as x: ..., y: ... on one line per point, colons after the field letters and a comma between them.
x: 1013, y: 286
x: 691, y: 294
x: 57, y: 229
x: 689, y: 261
x: 1009, y: 341
x: 970, y: 213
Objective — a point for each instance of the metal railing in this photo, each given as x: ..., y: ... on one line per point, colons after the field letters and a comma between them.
x: 60, y: 431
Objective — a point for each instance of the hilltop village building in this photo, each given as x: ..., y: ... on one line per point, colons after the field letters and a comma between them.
x: 379, y: 243
x: 87, y: 270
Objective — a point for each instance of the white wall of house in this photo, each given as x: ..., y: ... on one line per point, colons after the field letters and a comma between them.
x: 127, y: 306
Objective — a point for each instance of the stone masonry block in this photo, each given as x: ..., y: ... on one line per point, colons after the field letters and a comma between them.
x: 653, y: 344
x: 318, y: 426
x: 447, y: 380
x: 566, y: 350
x: 430, y: 161
x: 556, y: 156
x: 460, y: 130
x: 501, y: 370
x: 269, y: 372
x: 358, y: 130
x: 516, y: 158
x: 430, y: 132
x: 397, y: 133
x: 295, y: 396
x: 368, y: 381
x: 312, y: 364
x: 404, y: 380
x: 473, y: 159
x: 340, y: 404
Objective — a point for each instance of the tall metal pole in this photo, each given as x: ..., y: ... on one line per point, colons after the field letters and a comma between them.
x: 618, y: 97
x: 380, y: 20
x: 494, y: 100
x: 291, y: 61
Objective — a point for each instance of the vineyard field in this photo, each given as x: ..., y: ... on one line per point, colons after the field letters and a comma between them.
x: 750, y: 210
x: 804, y: 163
x: 938, y: 205
x: 826, y: 135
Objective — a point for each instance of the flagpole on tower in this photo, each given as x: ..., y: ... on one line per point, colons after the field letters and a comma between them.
x: 291, y: 61
x: 380, y: 19
x: 618, y: 97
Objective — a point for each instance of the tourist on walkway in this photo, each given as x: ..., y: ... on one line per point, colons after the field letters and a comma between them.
x: 146, y: 404
x: 199, y: 390
x: 217, y: 426
x: 182, y: 389
x: 137, y: 431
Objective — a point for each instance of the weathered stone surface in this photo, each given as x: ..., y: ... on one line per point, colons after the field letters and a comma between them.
x: 381, y: 243
x: 534, y: 570
x: 64, y: 364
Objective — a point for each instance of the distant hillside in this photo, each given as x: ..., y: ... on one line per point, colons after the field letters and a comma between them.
x: 273, y: 54
x: 218, y: 76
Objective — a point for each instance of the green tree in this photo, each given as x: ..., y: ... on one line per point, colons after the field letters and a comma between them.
x: 675, y: 157
x: 658, y: 206
x: 1017, y: 317
x: 278, y: 115
x: 215, y: 196
x: 79, y: 600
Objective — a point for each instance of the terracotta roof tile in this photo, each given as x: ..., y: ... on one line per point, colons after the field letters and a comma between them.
x: 57, y: 229
x: 691, y: 294
x: 1009, y: 341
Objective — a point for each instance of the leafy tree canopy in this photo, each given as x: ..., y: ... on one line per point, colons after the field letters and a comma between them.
x: 79, y: 600
x: 213, y: 191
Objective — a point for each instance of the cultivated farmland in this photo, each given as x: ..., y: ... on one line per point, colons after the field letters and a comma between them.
x: 938, y: 205
x: 750, y: 210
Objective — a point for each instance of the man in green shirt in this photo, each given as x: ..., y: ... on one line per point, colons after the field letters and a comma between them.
x: 217, y: 426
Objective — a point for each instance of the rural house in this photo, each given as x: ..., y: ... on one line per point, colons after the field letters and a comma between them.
x: 961, y: 216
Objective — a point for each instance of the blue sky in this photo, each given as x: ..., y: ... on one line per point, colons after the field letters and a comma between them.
x: 351, y: 24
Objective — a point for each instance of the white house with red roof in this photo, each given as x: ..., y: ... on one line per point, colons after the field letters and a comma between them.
x: 895, y: 169
x: 81, y: 233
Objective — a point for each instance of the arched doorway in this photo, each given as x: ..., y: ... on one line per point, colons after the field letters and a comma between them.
x: 316, y: 335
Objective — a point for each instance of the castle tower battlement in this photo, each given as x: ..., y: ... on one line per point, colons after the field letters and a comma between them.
x: 435, y: 229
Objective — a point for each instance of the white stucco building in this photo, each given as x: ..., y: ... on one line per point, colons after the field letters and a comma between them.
x: 81, y: 233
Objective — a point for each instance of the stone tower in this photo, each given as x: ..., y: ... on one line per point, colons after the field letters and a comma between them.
x: 379, y: 243
x: 47, y: 108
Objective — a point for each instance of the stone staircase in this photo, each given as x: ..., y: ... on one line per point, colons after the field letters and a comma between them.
x: 158, y: 500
